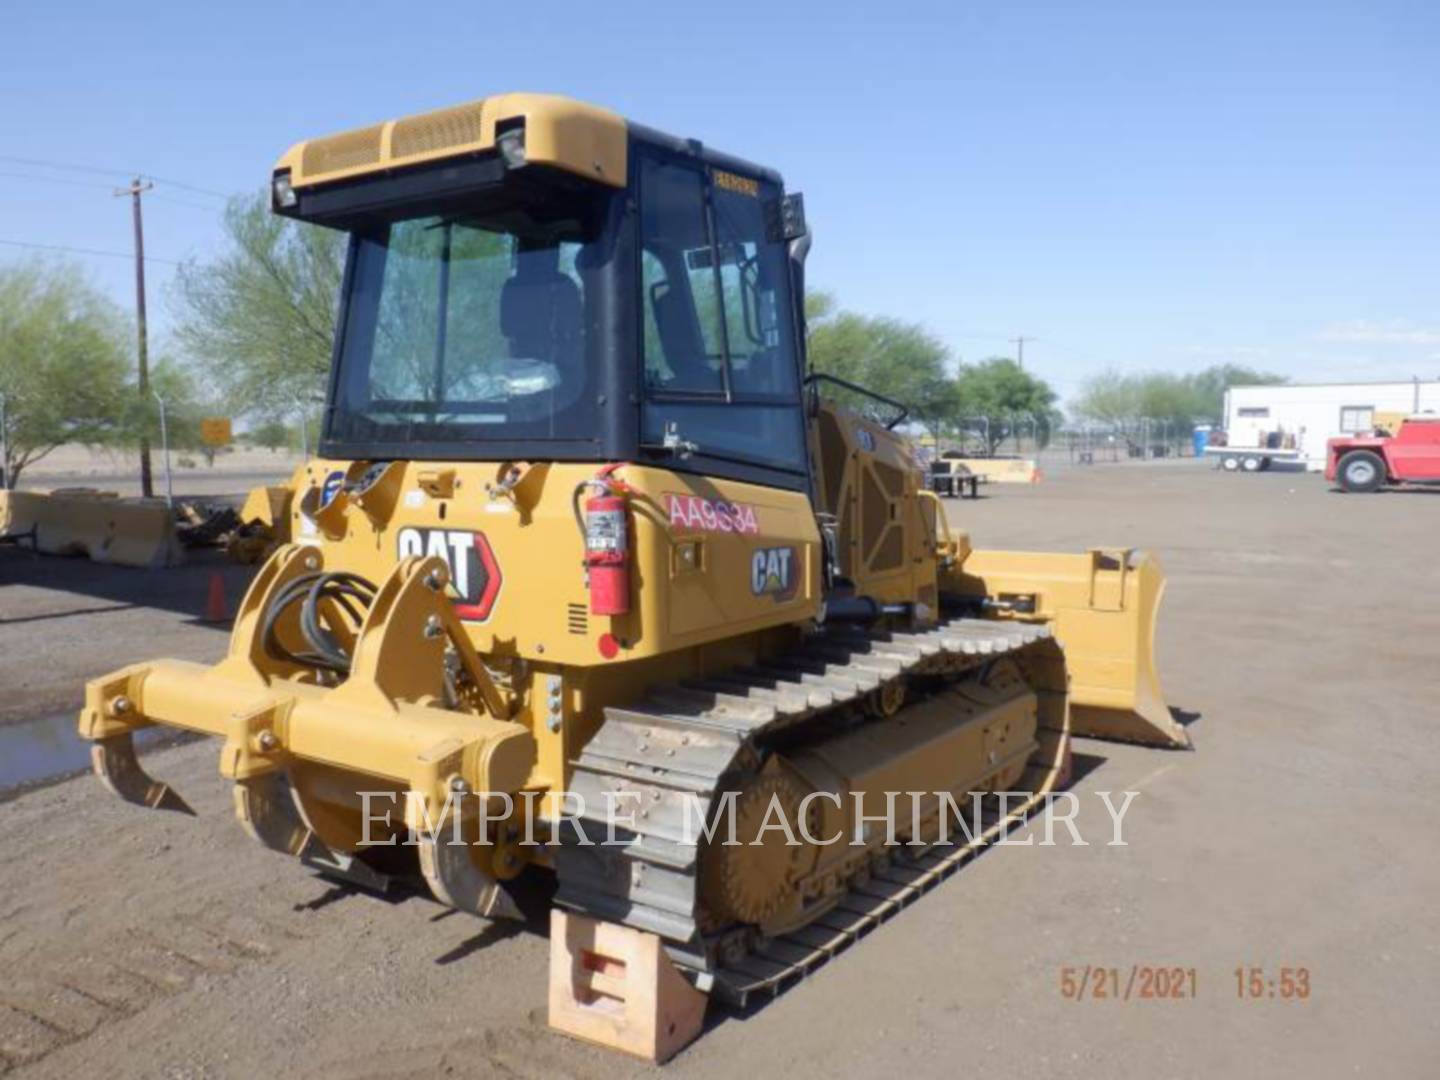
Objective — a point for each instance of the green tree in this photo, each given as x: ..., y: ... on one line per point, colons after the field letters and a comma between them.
x: 1006, y: 394
x: 1207, y: 388
x: 1181, y: 400
x: 261, y: 315
x: 900, y: 360
x: 140, y: 416
x: 819, y: 305
x: 1109, y: 398
x: 272, y: 434
x: 64, y: 362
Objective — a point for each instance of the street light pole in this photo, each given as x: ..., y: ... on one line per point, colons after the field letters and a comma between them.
x: 165, y: 449
x: 304, y: 430
x: 4, y: 449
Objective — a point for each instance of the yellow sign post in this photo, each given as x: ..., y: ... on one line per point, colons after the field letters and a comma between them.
x: 215, y: 431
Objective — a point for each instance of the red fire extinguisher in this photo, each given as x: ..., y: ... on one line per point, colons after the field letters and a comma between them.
x: 607, y: 548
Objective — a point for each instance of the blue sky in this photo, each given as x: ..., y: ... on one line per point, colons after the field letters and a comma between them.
x: 1133, y: 185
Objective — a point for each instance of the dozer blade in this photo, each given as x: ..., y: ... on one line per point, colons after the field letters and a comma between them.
x: 1103, y: 607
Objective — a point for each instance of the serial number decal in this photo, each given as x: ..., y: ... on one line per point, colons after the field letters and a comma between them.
x: 474, y: 571
x: 741, y: 185
x: 693, y: 512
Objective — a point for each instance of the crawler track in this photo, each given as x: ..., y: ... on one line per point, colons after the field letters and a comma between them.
x: 686, y: 739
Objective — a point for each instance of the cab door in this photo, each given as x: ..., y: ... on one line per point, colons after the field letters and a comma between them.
x: 720, y: 370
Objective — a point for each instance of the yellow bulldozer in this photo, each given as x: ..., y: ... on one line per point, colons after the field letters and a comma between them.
x: 589, y: 557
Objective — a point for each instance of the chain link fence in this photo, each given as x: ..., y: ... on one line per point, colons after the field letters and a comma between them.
x: 1025, y: 435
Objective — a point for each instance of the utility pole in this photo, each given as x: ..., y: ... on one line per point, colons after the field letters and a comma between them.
x: 136, y: 188
x: 1019, y: 343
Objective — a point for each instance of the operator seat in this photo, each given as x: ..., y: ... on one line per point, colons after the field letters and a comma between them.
x: 541, y: 314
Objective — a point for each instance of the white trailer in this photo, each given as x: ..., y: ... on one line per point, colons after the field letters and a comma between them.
x: 1312, y: 414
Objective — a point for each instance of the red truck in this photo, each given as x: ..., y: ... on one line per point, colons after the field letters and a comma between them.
x: 1370, y: 462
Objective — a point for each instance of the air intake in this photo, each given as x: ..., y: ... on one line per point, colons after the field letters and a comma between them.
x: 348, y: 150
x: 443, y: 129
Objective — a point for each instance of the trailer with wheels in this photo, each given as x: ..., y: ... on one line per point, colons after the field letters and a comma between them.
x: 1250, y: 459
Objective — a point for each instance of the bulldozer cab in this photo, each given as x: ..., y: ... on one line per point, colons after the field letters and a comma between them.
x: 500, y: 307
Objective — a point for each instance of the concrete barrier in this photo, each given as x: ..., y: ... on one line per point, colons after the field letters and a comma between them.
x: 97, y: 524
x: 1002, y: 470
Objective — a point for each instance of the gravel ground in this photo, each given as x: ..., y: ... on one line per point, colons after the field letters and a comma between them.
x: 1299, y: 625
x: 63, y: 621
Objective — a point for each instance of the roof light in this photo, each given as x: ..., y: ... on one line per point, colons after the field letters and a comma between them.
x: 283, y: 194
x: 512, y: 147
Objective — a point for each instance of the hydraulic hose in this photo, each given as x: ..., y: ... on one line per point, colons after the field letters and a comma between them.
x: 349, y: 594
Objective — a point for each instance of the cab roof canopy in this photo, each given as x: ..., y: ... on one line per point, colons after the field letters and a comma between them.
x: 582, y: 139
x: 578, y: 139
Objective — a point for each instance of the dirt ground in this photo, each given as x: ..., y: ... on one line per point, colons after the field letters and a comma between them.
x: 1300, y: 625
x: 65, y: 620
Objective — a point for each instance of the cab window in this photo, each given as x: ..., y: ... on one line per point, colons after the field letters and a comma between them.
x: 684, y: 351
x: 718, y: 343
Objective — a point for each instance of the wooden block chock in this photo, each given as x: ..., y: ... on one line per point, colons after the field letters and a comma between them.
x: 615, y: 986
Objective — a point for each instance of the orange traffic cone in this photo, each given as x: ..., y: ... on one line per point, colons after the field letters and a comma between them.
x: 215, y: 608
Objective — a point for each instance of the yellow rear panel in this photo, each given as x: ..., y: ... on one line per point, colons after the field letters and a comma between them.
x: 711, y: 558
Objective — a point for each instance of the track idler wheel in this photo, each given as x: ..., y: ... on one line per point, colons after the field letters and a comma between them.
x: 114, y: 761
x: 753, y: 881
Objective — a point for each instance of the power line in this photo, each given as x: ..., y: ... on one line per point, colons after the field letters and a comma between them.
x: 183, y: 202
x: 87, y: 251
x: 108, y: 187
x: 57, y: 180
x: 189, y: 187
x: 95, y: 169
x: 63, y: 165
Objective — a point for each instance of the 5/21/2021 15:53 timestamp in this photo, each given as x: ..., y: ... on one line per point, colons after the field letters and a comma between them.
x: 1162, y: 982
